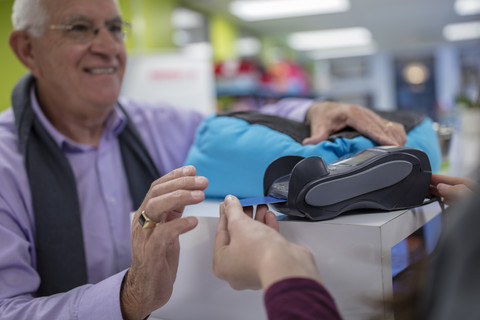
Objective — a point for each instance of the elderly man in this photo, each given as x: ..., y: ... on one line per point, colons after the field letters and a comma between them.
x: 78, y: 163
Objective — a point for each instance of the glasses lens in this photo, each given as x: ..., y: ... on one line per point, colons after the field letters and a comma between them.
x: 81, y: 32
x: 118, y: 30
x: 84, y: 32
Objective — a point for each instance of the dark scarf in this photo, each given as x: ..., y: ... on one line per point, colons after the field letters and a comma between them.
x: 59, y: 239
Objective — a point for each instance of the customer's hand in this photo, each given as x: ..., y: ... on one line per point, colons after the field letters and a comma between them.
x: 148, y: 283
x: 451, y: 189
x: 252, y: 254
x: 326, y: 118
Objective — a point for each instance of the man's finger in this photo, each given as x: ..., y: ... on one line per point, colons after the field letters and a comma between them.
x: 177, y: 173
x: 172, y: 175
x: 184, y: 182
x: 158, y: 207
x: 317, y: 136
x: 168, y: 232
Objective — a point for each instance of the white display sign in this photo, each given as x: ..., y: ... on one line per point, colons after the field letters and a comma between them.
x: 179, y: 79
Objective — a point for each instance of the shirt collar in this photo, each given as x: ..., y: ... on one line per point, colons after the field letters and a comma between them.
x: 114, y: 125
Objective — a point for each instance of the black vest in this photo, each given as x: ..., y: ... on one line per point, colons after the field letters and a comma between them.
x: 59, y: 238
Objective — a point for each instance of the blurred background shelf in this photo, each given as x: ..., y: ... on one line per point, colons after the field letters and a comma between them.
x: 418, y: 55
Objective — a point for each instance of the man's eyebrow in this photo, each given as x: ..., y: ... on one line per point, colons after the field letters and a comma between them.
x: 115, y: 19
x: 79, y: 17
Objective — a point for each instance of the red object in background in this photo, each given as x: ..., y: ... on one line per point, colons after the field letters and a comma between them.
x: 287, y: 77
x: 280, y: 78
x: 232, y: 68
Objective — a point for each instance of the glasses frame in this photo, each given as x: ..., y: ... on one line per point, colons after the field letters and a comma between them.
x: 93, y: 31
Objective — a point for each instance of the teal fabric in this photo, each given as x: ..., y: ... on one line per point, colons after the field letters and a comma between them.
x: 233, y: 154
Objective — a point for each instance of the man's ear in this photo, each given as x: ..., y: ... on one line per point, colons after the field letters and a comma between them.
x: 21, y: 44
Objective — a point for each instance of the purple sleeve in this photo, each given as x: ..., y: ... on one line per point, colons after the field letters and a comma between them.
x: 292, y: 108
x: 167, y: 131
x: 299, y: 298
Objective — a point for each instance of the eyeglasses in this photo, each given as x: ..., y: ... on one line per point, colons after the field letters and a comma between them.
x: 84, y: 32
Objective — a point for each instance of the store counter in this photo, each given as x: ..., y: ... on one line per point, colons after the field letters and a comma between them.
x: 353, y: 254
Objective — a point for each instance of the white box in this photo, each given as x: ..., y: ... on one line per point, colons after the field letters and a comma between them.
x: 353, y: 254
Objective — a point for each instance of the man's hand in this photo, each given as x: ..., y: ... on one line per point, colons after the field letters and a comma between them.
x: 328, y: 117
x: 148, y: 283
x: 252, y: 254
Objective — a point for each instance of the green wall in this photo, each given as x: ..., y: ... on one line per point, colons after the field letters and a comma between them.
x: 11, y: 68
x: 158, y: 27
x: 152, y: 29
x: 222, y: 37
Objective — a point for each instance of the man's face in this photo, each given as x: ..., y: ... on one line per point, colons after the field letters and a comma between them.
x: 79, y: 73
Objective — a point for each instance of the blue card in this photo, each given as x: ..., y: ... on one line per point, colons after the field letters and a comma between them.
x: 260, y: 200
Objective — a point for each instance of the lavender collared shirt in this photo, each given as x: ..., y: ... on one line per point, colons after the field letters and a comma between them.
x: 105, y: 206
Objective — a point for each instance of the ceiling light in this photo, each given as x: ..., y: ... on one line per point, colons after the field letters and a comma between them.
x: 467, y: 7
x: 274, y: 9
x: 334, y: 38
x: 462, y: 31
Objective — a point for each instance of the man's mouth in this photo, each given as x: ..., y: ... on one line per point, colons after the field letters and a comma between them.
x: 100, y: 70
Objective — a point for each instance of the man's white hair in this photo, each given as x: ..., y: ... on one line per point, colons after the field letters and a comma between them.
x: 29, y: 15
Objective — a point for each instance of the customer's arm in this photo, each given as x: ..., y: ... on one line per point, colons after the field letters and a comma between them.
x: 251, y: 255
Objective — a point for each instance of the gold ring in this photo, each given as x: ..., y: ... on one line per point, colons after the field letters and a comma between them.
x: 145, y: 221
x: 389, y: 124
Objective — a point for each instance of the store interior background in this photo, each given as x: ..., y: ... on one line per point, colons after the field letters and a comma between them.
x: 419, y: 55
x: 404, y: 55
